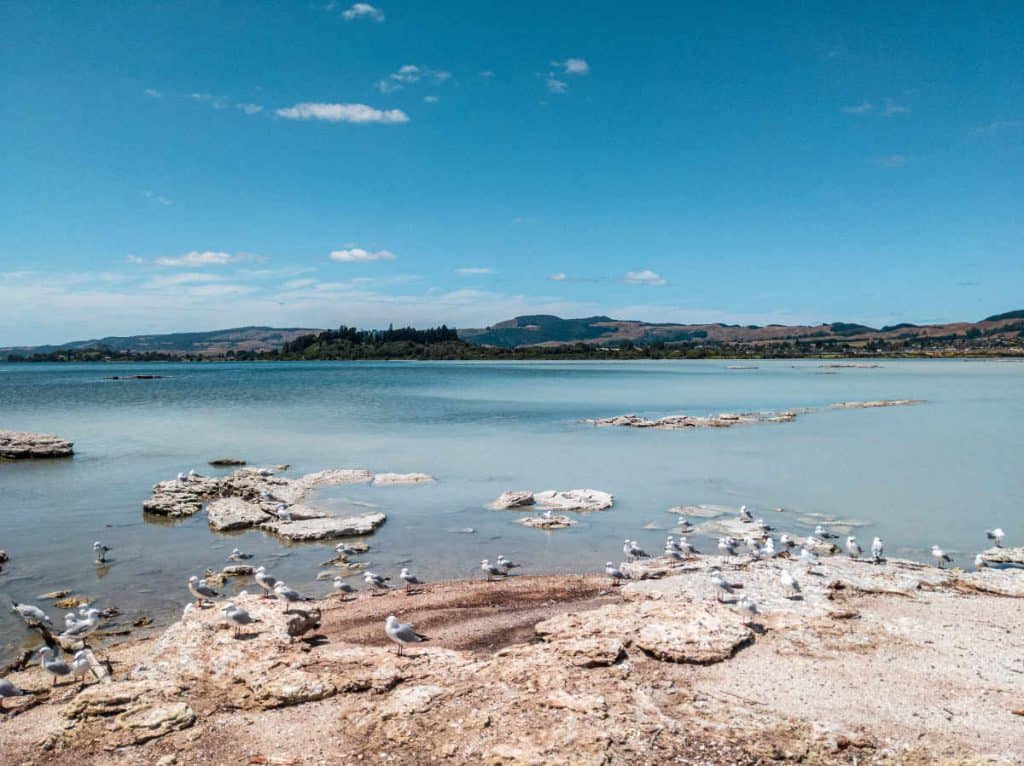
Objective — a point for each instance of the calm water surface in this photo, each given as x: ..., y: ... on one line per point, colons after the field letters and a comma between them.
x: 939, y: 473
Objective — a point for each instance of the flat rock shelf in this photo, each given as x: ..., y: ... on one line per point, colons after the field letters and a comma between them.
x: 22, y: 445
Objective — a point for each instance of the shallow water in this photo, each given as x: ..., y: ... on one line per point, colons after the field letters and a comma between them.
x: 940, y: 472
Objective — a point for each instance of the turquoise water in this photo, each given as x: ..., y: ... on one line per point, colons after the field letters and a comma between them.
x: 939, y: 473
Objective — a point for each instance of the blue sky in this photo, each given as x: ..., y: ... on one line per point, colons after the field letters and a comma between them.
x: 194, y: 165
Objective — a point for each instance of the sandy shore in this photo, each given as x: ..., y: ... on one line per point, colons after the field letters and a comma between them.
x: 898, y: 663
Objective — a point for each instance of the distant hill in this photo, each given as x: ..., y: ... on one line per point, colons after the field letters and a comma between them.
x: 547, y: 330
x: 210, y: 343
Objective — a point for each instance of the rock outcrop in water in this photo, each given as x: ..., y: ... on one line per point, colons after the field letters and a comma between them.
x: 889, y: 664
x: 578, y: 500
x: 22, y: 445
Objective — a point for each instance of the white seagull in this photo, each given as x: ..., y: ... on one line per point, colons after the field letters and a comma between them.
x: 409, y: 578
x: 265, y: 581
x: 789, y: 583
x: 55, y: 666
x: 786, y: 541
x: 506, y: 565
x: 877, y: 550
x: 685, y: 546
x: 200, y: 590
x: 490, y: 570
x: 745, y: 516
x: 238, y: 616
x: 288, y: 594
x: 237, y: 555
x: 375, y: 581
x: 996, y: 536
x: 979, y: 562
x: 747, y: 605
x: 853, y: 547
x: 719, y: 582
x: 823, y: 533
x: 402, y: 633
x: 101, y: 552
x: 727, y: 546
x: 636, y: 551
x: 614, y: 573
x: 83, y: 628
x: 341, y: 586
x: 31, y: 613
x: 80, y: 667
x: 808, y: 557
x: 941, y: 557
x: 8, y: 689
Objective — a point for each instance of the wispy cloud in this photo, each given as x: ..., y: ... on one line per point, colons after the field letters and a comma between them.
x: 487, y: 74
x: 153, y: 93
x: 643, y: 277
x: 555, y: 85
x: 172, y: 280
x: 358, y: 254
x: 561, y: 276
x: 410, y: 74
x: 862, y: 108
x: 134, y: 259
x: 363, y: 11
x: 217, y: 102
x: 355, y: 113
x: 200, y: 258
x: 472, y: 271
x: 431, y: 99
x: 891, y: 161
x: 999, y: 126
x: 249, y: 108
x: 892, y: 108
x: 157, y: 197
x: 572, y: 66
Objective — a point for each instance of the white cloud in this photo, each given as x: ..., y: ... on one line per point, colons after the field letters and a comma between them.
x: 152, y: 93
x: 173, y: 280
x: 891, y: 108
x: 134, y: 259
x: 363, y: 11
x: 217, y: 102
x: 249, y: 108
x: 431, y: 99
x: 471, y: 271
x: 998, y: 126
x: 573, y: 66
x: 643, y: 277
x: 862, y: 108
x: 891, y: 161
x: 199, y: 258
x: 157, y: 197
x: 487, y: 74
x: 555, y: 85
x: 357, y: 113
x: 561, y: 276
x: 295, y: 284
x: 410, y: 74
x: 358, y: 254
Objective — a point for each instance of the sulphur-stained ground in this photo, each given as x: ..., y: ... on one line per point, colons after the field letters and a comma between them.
x: 893, y: 664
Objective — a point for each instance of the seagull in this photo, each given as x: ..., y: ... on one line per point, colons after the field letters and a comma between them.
x: 237, y: 555
x: 265, y: 581
x: 636, y: 551
x: 727, y: 546
x: 763, y: 526
x: 853, y: 547
x: 548, y: 514
x: 941, y: 557
x: 288, y: 594
x: 101, y: 552
x: 401, y: 633
x: 409, y: 578
x: 627, y: 550
x: 808, y: 557
x: 877, y: 549
x: 80, y: 667
x: 70, y: 620
x: 491, y: 570
x: 53, y: 665
x: 685, y: 546
x: 614, y: 573
x: 264, y: 472
x: 282, y: 512
x: 182, y: 476
x: 238, y: 616
x: 979, y: 562
x: 344, y: 549
x: 769, y: 547
x: 8, y: 689
x: 192, y: 475
x: 745, y: 516
x: 719, y: 582
x: 996, y: 536
x: 31, y: 614
x: 672, y: 545
x: 673, y: 553
x: 823, y: 533
x: 506, y: 565
x: 747, y: 605
x: 82, y: 629
x: 200, y: 590
x: 375, y: 581
x: 789, y: 583
x: 341, y: 586
x: 786, y: 541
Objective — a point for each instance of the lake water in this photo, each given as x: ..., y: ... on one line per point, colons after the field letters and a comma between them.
x: 940, y: 472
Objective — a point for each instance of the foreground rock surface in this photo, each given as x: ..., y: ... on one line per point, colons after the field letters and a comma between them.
x: 22, y: 445
x: 883, y: 664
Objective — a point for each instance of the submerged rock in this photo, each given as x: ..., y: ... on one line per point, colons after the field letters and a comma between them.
x: 226, y: 461
x: 676, y: 422
x: 22, y: 445
x: 546, y: 522
x: 386, y: 479
x: 326, y: 528
x: 874, y: 403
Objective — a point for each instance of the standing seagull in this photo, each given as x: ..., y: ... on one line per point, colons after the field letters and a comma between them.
x: 82, y: 629
x: 996, y: 536
x: 789, y: 583
x: 491, y: 570
x: 941, y: 557
x: 686, y: 547
x: 727, y: 546
x: 627, y: 550
x: 31, y: 614
x: 808, y: 557
x: 823, y: 533
x: 238, y: 616
x: 786, y: 541
x: 877, y: 550
x: 614, y: 573
x: 288, y: 594
x: 745, y: 516
x: 200, y: 590
x: 853, y: 547
x: 506, y: 565
x: 80, y: 667
x: 375, y: 581
x: 747, y: 605
x: 342, y: 587
x: 402, y: 633
x: 101, y: 552
x: 979, y: 562
x: 409, y: 578
x: 636, y: 551
x: 54, y: 666
x: 8, y: 689
x: 265, y: 581
x: 721, y: 586
x: 237, y: 555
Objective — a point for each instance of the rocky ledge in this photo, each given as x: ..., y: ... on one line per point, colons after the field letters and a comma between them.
x: 22, y: 445
x: 896, y: 663
x: 578, y: 500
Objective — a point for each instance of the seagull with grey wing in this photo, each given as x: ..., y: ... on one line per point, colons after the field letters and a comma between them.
x: 686, y: 547
x: 265, y: 581
x: 941, y: 557
x: 745, y: 515
x: 789, y: 583
x: 721, y: 585
x: 877, y: 550
x: 101, y: 551
x: 996, y: 536
x: 342, y: 587
x: 82, y: 629
x: 8, y: 689
x: 53, y: 665
x: 376, y: 581
x: 614, y: 573
x: 491, y: 570
x: 402, y: 633
x: 290, y: 595
x: 506, y: 565
x: 409, y: 578
x: 238, y: 616
x: 31, y: 614
x: 237, y: 555
x: 853, y: 547
x: 200, y: 590
x: 80, y: 666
